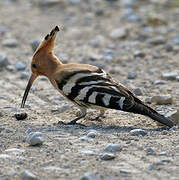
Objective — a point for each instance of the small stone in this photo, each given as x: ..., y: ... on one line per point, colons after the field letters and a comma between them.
x: 162, y: 153
x: 20, y: 66
x: 10, y: 68
x: 177, y: 78
x: 119, y: 33
x: 166, y: 160
x: 89, y: 153
x: 24, y: 75
x: 151, y: 167
x: 48, y: 3
x: 109, y: 51
x: 159, y: 82
x: 131, y: 75
x: 27, y: 175
x: 176, y: 39
x: 137, y: 92
x: 34, y: 44
x: 92, y: 134
x: 85, y: 138
x: 74, y: 2
x: 170, y: 75
x: 10, y: 43
x: 162, y: 99
x: 137, y: 132
x: 15, y: 151
x: 113, y: 148
x: 139, y: 53
x: 108, y: 58
x: 4, y: 156
x: 150, y: 151
x: 134, y: 18
x: 107, y: 156
x: 3, y: 62
x: 168, y: 47
x: 90, y: 176
x: 125, y: 171
x: 60, y: 109
x: 20, y: 116
x: 157, y: 40
x: 35, y: 138
x: 174, y: 115
x: 95, y: 57
x: 128, y: 3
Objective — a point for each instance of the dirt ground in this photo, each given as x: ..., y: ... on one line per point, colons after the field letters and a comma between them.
x: 86, y: 38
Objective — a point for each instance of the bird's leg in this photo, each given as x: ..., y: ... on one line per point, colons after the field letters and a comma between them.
x: 97, y: 118
x: 82, y: 115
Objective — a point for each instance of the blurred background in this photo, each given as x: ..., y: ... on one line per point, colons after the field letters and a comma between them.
x: 136, y: 41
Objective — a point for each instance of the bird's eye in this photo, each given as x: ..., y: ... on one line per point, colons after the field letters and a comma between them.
x: 34, y: 66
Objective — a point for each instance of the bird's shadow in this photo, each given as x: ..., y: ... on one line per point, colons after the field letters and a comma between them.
x: 104, y: 129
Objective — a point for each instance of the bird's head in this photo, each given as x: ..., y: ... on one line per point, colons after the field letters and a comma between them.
x: 44, y: 62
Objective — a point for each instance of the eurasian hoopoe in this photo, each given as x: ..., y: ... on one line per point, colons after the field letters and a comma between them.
x: 85, y: 85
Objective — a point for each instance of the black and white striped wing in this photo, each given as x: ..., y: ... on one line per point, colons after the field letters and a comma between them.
x: 88, y: 88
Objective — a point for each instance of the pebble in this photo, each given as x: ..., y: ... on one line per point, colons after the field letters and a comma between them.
x: 119, y: 33
x: 137, y: 92
x: 15, y: 150
x: 107, y: 156
x: 176, y: 39
x: 27, y: 175
x: 139, y: 53
x: 177, y: 78
x: 34, y: 44
x: 90, y: 176
x: 170, y: 75
x: 48, y: 3
x: 168, y: 47
x: 131, y: 75
x: 20, y: 66
x: 20, y: 116
x: 88, y: 152
x: 60, y: 109
x: 74, y: 2
x: 10, y: 43
x: 3, y: 62
x: 137, y: 132
x: 159, y: 82
x: 108, y: 58
x: 157, y: 40
x: 4, y: 156
x: 85, y: 138
x: 24, y: 75
x: 174, y: 115
x: 113, y: 148
x: 10, y: 68
x: 92, y: 134
x: 125, y: 171
x: 166, y: 160
x: 162, y: 153
x: 151, y: 167
x: 150, y: 151
x: 35, y: 138
x: 162, y: 99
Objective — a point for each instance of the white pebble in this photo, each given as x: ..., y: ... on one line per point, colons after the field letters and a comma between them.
x: 35, y: 138
x: 26, y: 175
x: 113, y: 148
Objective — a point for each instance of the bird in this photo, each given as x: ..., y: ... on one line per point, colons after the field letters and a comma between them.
x: 85, y: 85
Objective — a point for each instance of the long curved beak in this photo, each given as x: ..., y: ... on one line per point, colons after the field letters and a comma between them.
x: 31, y: 80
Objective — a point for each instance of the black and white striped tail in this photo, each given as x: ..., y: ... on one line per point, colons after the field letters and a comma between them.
x: 147, y: 111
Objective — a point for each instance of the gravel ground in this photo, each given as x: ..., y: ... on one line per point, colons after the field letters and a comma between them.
x: 137, y: 42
